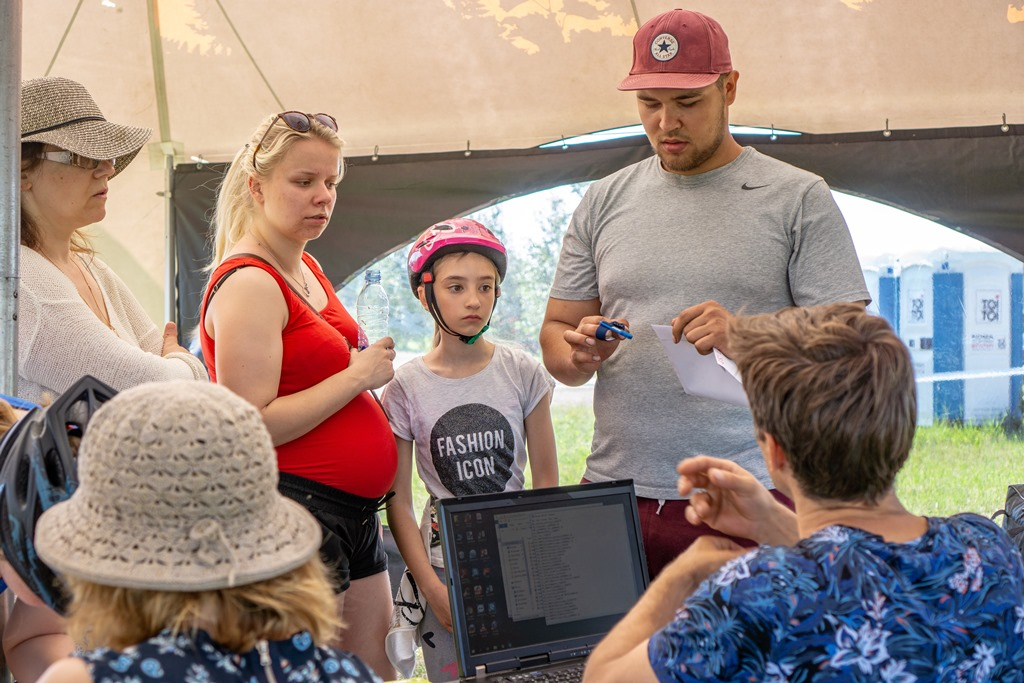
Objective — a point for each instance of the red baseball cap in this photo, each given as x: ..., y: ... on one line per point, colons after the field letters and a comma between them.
x: 680, y: 50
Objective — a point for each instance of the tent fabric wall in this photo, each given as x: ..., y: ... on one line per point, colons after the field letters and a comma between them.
x: 967, y: 179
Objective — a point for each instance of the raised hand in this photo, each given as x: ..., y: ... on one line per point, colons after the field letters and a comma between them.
x: 726, y: 497
x: 588, y: 347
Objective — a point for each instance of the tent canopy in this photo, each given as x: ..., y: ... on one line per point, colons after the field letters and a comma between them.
x: 417, y: 80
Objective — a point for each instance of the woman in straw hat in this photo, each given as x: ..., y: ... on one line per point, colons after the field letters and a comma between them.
x: 274, y: 332
x: 75, y: 315
x: 183, y: 561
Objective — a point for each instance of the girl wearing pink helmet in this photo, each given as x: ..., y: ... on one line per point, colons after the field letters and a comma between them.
x: 458, y: 236
x: 474, y: 413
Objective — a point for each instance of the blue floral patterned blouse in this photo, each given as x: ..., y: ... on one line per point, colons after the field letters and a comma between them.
x: 196, y: 658
x: 845, y: 605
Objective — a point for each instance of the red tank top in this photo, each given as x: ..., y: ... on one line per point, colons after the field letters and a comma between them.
x: 353, y: 450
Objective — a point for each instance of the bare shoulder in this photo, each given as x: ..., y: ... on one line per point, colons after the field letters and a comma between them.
x: 247, y: 290
x: 69, y: 670
x: 248, y: 281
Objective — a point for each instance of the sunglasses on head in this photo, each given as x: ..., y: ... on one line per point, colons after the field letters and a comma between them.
x: 72, y: 159
x: 299, y: 122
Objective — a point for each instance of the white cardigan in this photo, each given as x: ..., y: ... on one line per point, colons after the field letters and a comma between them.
x: 60, y: 339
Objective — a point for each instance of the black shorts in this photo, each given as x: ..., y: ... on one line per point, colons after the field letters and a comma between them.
x: 353, y: 546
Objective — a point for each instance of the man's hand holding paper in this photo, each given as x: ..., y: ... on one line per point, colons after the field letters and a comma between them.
x: 710, y: 376
x: 703, y: 326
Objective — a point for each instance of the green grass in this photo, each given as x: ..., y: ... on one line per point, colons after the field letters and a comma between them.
x: 574, y: 431
x: 956, y: 468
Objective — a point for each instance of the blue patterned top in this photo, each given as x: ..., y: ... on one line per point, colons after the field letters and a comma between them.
x: 196, y: 658
x: 845, y: 605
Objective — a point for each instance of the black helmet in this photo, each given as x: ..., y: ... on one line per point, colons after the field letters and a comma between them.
x: 38, y: 469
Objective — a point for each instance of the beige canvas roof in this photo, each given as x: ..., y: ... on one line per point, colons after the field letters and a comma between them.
x: 409, y: 76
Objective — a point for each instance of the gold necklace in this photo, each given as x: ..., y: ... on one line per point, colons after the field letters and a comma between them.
x: 97, y: 302
x: 305, y: 287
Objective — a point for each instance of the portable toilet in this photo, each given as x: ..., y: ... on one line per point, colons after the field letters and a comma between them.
x: 987, y: 342
x: 1017, y: 341
x: 916, y: 316
x: 888, y: 299
x: 948, y: 341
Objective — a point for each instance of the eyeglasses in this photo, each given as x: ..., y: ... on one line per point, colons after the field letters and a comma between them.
x: 72, y: 159
x: 299, y: 122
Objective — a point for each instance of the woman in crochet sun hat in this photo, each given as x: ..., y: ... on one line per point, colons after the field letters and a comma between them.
x: 76, y: 316
x: 182, y: 559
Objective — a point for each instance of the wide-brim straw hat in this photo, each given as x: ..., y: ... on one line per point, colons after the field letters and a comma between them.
x: 177, y: 492
x: 60, y: 112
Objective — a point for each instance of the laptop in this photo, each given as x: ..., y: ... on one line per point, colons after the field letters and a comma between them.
x: 536, y: 578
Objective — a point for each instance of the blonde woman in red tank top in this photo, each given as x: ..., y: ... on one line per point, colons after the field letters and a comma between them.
x: 274, y: 332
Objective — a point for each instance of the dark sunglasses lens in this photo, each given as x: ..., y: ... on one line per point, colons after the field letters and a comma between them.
x: 296, y: 120
x: 328, y: 121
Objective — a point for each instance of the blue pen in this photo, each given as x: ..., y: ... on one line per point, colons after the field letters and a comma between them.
x: 604, y: 327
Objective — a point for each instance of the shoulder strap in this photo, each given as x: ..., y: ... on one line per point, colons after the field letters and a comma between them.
x: 224, y: 276
x: 229, y: 273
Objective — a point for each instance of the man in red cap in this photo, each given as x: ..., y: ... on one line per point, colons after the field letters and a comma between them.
x: 688, y: 237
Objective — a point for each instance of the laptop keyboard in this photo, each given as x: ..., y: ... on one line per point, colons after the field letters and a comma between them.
x: 570, y: 674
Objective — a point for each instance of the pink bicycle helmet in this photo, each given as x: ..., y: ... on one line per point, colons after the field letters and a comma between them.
x: 456, y: 235
x: 453, y: 236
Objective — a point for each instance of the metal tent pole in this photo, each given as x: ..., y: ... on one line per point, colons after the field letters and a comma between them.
x: 10, y: 219
x: 167, y: 148
x: 10, y: 196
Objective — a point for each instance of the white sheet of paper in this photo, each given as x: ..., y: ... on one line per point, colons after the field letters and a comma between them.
x: 711, y: 376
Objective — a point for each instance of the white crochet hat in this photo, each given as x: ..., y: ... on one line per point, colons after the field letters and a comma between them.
x: 62, y: 113
x: 177, y: 492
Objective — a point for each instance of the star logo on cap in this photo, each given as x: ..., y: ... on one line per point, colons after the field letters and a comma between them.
x: 664, y: 47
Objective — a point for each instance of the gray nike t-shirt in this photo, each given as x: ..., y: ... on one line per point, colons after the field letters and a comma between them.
x: 756, y: 235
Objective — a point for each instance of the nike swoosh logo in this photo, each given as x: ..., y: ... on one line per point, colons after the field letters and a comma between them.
x: 753, y: 187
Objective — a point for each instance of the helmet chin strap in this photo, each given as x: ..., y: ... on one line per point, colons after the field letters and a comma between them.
x: 476, y: 336
x: 435, y: 312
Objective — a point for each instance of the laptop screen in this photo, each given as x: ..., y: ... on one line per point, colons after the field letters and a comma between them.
x: 541, y: 575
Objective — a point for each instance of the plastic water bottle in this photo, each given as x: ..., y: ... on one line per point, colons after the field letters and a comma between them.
x: 372, y: 310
